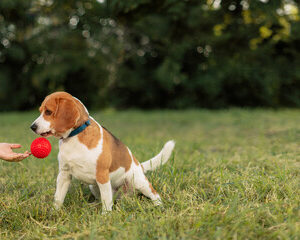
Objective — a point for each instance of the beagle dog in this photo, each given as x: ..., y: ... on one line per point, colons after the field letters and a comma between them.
x: 89, y: 152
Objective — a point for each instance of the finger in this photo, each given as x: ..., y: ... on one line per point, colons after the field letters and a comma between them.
x: 10, y: 158
x: 23, y: 154
x: 27, y: 152
x: 19, y: 157
x: 14, y: 145
x: 15, y: 156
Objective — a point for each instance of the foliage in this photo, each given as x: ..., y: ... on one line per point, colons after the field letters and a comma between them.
x: 234, y: 174
x: 150, y: 54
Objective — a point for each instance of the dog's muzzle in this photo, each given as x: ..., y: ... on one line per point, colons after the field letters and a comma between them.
x: 34, y: 127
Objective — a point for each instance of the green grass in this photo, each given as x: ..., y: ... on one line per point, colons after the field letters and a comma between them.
x: 234, y: 175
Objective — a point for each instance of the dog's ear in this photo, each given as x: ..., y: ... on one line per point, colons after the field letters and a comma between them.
x: 66, y: 114
x: 57, y: 101
x: 43, y: 105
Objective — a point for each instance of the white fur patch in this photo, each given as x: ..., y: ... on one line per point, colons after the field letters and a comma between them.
x: 106, y: 196
x: 117, y: 177
x: 159, y: 159
x: 43, y: 125
x: 80, y: 160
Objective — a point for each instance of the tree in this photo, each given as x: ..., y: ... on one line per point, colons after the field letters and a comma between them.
x: 149, y: 54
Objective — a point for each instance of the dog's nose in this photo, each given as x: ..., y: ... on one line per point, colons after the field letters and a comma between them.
x: 33, y: 127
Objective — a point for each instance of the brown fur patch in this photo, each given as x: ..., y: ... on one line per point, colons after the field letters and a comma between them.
x: 103, y: 163
x: 90, y: 137
x: 152, y: 189
x: 150, y: 185
x: 82, y: 113
x: 119, y: 152
x: 114, y: 155
x: 102, y: 175
x: 66, y: 116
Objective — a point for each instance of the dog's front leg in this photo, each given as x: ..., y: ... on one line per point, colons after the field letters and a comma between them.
x: 106, y: 196
x: 104, y: 185
x: 62, y: 186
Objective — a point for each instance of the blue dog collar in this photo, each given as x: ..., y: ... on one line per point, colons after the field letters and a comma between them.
x: 80, y: 129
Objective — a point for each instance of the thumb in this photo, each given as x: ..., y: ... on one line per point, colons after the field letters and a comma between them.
x: 14, y: 145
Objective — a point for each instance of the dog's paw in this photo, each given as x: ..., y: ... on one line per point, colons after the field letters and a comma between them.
x: 157, y: 202
x: 57, y: 205
x: 106, y: 211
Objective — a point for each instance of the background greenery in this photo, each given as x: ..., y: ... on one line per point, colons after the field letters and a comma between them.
x: 234, y: 174
x: 150, y: 53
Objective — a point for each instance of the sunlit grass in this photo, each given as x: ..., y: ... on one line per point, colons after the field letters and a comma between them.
x: 234, y: 175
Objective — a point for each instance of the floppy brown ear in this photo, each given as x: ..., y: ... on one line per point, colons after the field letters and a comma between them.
x: 66, y: 115
x: 57, y: 102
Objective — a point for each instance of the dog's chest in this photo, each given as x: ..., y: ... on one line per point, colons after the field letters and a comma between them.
x: 80, y: 161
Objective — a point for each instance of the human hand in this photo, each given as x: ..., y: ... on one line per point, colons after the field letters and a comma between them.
x: 7, y: 154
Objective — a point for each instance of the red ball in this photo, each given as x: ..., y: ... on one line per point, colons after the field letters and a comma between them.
x: 40, y: 147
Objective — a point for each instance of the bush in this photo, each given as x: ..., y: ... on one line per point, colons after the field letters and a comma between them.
x: 149, y: 54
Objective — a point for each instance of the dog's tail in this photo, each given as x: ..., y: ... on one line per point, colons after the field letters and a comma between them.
x: 159, y: 159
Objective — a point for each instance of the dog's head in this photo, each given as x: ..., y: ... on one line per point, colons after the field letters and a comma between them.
x: 61, y: 113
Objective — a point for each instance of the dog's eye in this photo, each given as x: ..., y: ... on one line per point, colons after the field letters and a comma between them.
x: 48, y: 112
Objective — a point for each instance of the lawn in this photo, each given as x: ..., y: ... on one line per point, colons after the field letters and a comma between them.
x: 234, y: 174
